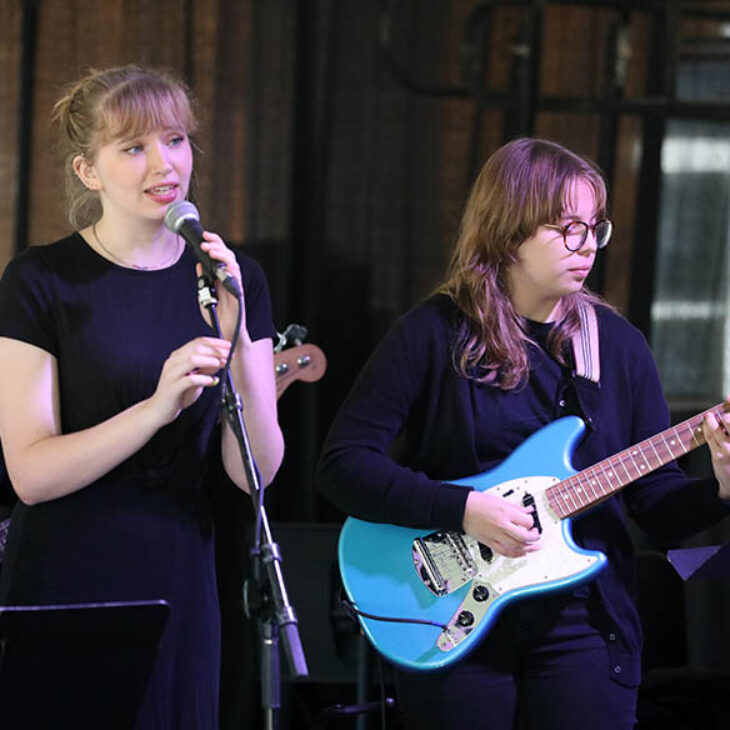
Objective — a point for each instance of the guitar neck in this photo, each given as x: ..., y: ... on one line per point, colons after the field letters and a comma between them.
x: 597, y: 483
x: 303, y: 362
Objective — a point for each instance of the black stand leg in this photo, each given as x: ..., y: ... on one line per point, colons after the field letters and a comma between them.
x: 363, y: 708
x: 270, y: 674
x: 362, y: 694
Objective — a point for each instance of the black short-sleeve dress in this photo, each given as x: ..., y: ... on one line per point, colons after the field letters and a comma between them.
x: 143, y: 531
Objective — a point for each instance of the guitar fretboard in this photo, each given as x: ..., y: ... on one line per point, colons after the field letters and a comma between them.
x: 583, y: 490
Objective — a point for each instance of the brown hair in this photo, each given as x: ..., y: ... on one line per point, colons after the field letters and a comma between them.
x: 109, y: 104
x: 523, y: 185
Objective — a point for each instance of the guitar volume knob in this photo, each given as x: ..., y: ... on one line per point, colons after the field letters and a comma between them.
x: 466, y: 618
x: 480, y: 593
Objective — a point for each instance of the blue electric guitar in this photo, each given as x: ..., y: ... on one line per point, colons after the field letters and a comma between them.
x: 440, y: 592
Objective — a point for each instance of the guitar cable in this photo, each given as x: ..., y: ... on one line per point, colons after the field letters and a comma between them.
x: 350, y: 607
x: 385, y: 702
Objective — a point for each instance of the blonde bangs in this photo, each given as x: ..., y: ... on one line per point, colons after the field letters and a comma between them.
x: 130, y: 111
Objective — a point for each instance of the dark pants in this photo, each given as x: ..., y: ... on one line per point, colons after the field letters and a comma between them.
x: 543, y: 666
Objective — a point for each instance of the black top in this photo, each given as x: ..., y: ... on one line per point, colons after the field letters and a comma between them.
x: 143, y: 531
x: 410, y: 403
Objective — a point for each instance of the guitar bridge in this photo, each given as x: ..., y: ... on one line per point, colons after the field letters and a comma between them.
x: 443, y: 561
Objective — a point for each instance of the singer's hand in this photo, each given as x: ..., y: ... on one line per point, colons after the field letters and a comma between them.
x: 227, y: 308
x: 186, y: 372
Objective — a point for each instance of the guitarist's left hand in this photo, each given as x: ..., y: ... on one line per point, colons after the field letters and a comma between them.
x: 717, y: 435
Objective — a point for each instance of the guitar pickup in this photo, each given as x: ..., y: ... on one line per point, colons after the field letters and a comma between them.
x: 529, y: 501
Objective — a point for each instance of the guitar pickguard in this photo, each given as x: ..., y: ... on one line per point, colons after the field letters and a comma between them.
x: 446, y: 561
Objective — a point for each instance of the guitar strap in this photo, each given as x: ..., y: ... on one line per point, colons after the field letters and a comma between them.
x: 585, y: 344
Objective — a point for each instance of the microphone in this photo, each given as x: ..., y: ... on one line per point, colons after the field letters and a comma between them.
x: 183, y: 218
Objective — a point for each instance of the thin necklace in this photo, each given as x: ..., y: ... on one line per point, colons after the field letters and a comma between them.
x: 129, y: 265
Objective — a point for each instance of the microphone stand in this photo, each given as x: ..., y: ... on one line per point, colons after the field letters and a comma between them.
x: 267, y: 602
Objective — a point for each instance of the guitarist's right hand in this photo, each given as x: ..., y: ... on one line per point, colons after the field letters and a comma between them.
x: 505, y: 527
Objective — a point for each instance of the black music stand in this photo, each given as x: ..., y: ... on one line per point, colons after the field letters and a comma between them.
x: 84, y: 666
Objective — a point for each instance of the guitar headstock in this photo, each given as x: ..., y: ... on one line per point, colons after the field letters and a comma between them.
x: 304, y: 362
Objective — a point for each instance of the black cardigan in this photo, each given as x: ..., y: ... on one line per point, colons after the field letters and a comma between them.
x: 411, y: 423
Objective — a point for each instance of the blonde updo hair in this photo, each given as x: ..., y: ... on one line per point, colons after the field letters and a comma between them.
x: 109, y: 104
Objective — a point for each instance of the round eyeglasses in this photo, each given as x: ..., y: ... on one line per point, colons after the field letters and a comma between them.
x: 575, y: 233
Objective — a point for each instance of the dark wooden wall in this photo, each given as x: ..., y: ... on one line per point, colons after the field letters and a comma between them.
x: 340, y: 161
x: 338, y: 149
x: 209, y: 43
x: 273, y: 75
